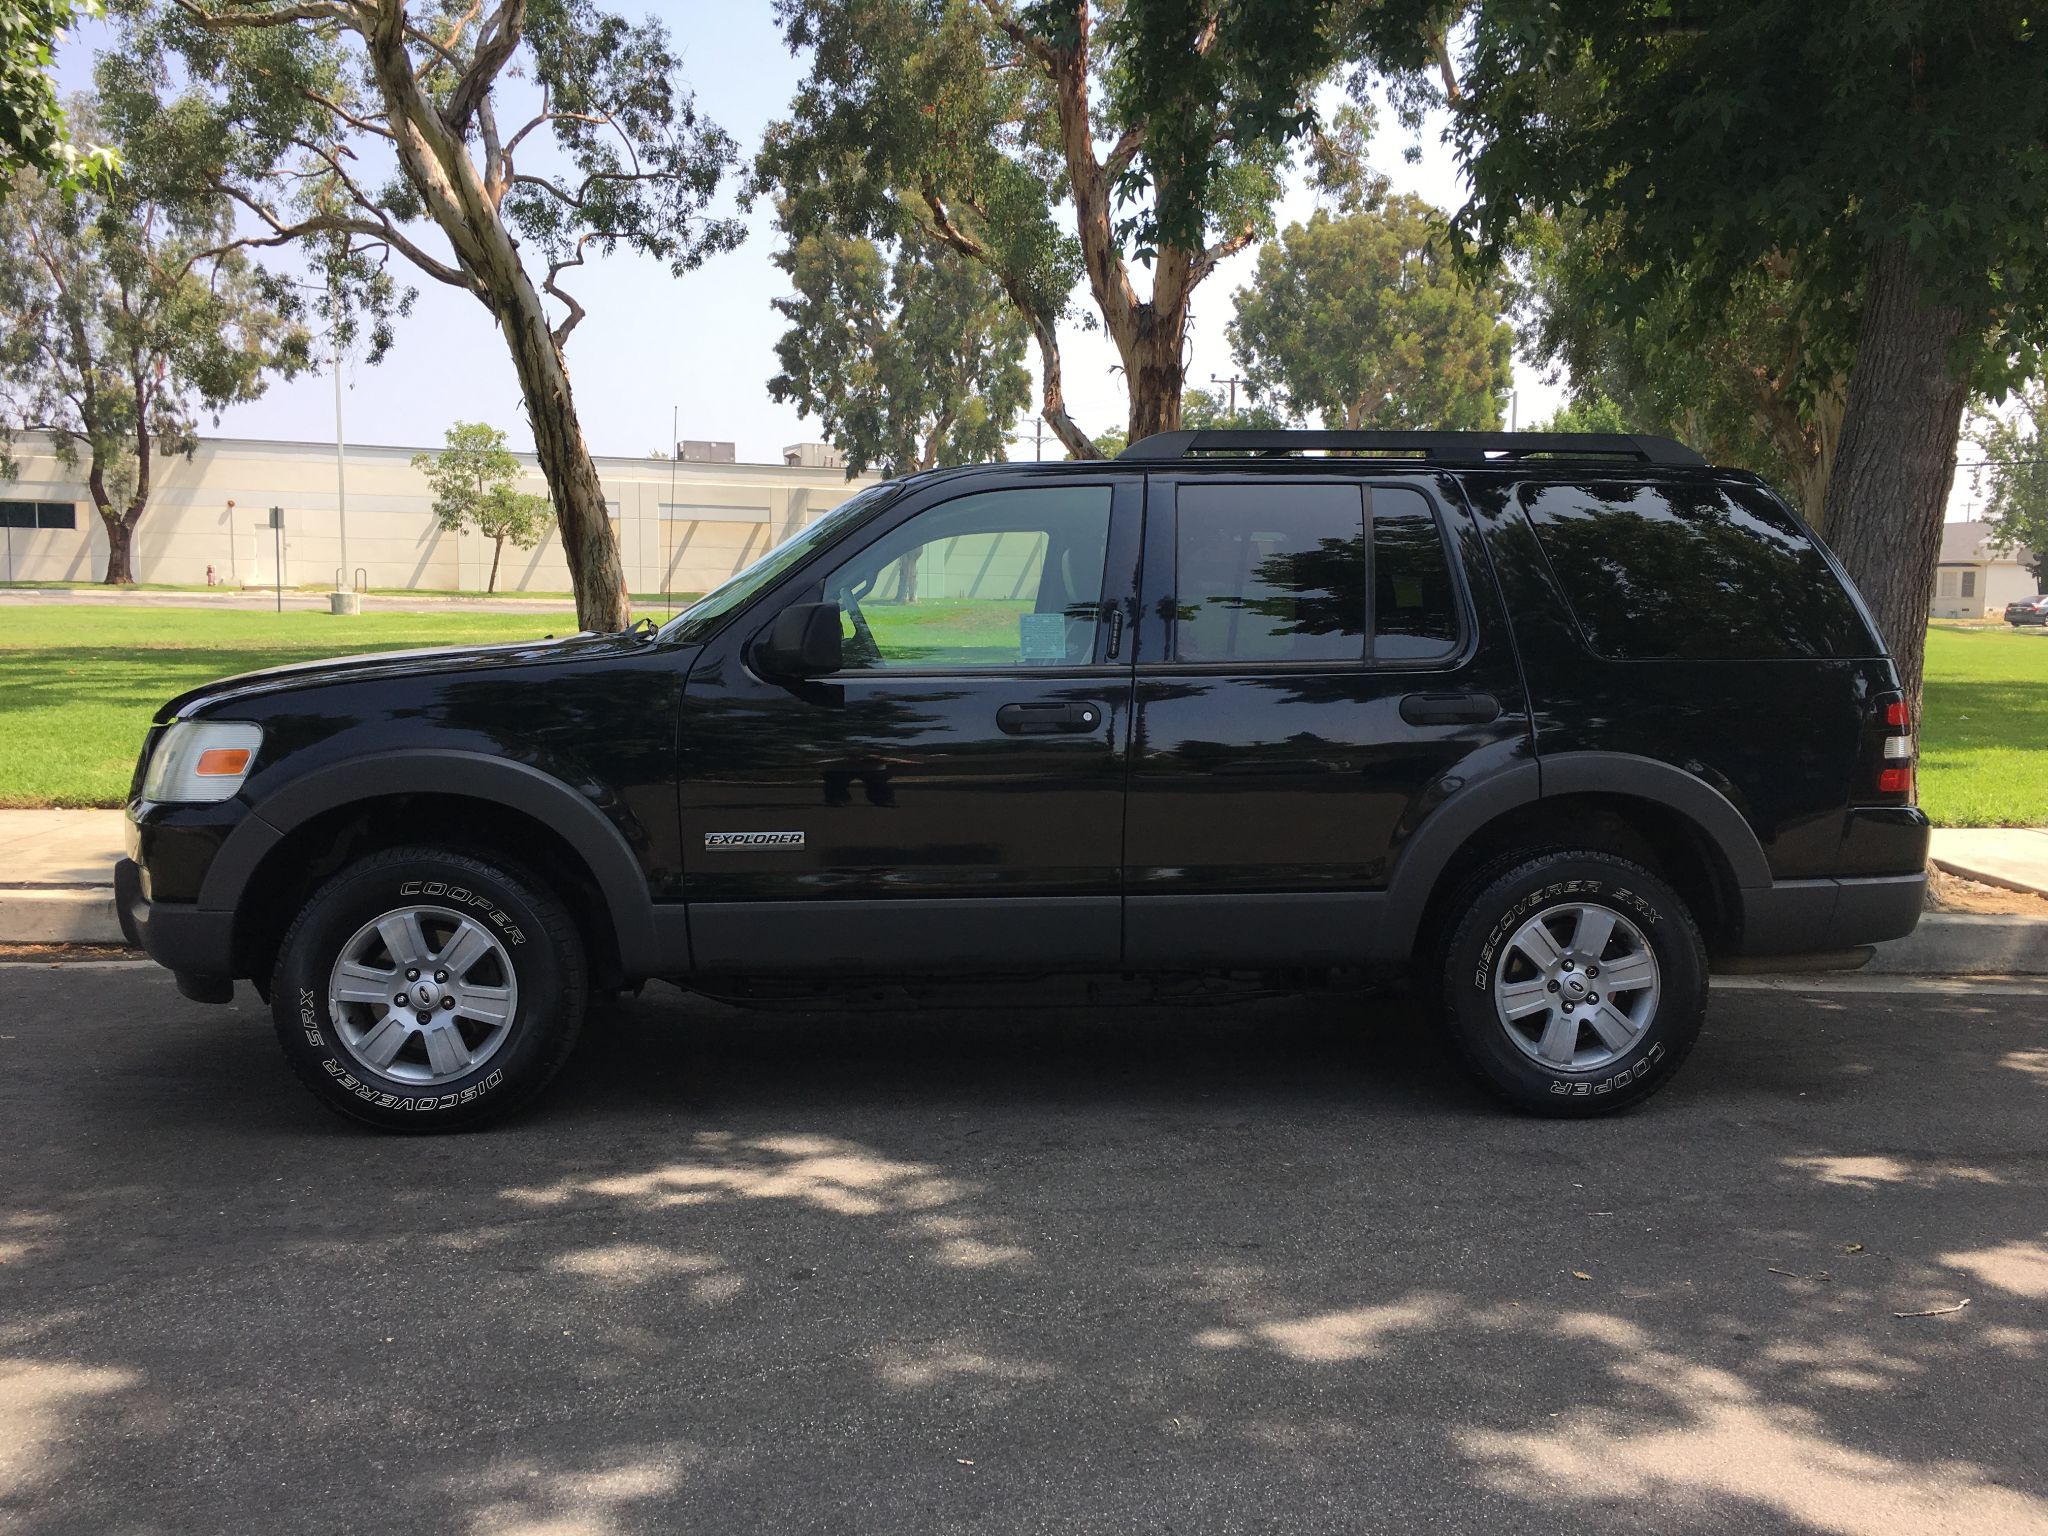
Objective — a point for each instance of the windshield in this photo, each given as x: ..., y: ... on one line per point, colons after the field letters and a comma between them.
x: 698, y: 620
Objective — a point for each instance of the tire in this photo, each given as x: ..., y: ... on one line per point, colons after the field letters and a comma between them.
x: 513, y: 992
x: 1505, y: 1003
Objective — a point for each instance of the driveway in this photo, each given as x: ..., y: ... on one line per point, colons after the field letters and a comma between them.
x: 1265, y: 1267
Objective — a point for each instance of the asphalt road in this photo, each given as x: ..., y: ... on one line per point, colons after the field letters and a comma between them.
x: 1269, y: 1267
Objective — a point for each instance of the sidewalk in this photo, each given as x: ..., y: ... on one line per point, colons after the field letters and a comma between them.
x: 57, y: 883
x: 263, y: 600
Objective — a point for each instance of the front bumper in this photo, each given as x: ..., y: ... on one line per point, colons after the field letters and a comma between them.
x: 197, y: 946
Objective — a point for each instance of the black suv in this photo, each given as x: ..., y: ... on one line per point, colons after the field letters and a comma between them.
x: 1546, y: 719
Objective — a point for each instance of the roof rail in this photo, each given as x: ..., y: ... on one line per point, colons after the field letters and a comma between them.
x: 1423, y: 447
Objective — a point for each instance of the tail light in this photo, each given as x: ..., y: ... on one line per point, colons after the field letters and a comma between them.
x: 1893, y: 751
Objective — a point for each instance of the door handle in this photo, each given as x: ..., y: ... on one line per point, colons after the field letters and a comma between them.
x: 1048, y: 718
x: 1450, y: 708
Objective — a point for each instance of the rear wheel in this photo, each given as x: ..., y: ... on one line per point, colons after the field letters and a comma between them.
x: 425, y: 990
x: 1575, y: 983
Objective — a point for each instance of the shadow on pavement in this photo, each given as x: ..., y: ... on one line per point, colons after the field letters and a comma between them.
x: 1264, y: 1267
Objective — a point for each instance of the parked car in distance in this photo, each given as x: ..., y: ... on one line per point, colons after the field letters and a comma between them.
x: 2028, y: 610
x: 1548, y: 723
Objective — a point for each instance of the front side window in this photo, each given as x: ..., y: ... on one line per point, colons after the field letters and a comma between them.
x: 1009, y: 578
x: 1279, y: 572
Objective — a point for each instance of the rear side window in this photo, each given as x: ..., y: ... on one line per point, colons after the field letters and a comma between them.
x: 1294, y: 572
x: 1695, y: 572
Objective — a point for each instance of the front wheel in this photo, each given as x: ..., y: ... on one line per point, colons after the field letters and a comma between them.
x: 425, y: 990
x: 1575, y: 984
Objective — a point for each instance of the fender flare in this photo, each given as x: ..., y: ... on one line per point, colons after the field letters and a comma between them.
x: 596, y: 839
x: 1462, y: 816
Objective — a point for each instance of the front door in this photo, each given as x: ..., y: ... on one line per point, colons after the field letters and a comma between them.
x: 1311, y: 680
x: 953, y: 797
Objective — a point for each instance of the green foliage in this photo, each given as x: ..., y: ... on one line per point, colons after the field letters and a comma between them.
x: 910, y: 360
x: 122, y: 320
x: 1759, y: 389
x: 473, y: 479
x: 2013, y: 478
x: 1164, y: 127
x: 33, y: 133
x: 1365, y: 320
x: 1202, y: 411
x: 1743, y: 133
x: 1587, y: 413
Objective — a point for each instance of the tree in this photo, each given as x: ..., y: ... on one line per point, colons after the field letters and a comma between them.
x: 520, y: 131
x: 910, y: 359
x: 120, y: 321
x: 2013, y: 477
x: 1365, y: 321
x: 33, y: 133
x: 473, y: 482
x: 1892, y: 151
x: 1588, y: 413
x: 1760, y: 389
x: 1158, y: 128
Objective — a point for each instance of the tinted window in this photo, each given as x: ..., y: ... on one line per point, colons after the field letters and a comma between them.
x: 998, y: 579
x: 1692, y: 572
x: 1270, y: 573
x: 1414, y: 606
x: 1282, y: 573
x: 38, y: 514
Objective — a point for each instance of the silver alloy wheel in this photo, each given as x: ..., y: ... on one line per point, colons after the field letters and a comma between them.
x: 423, y: 995
x: 1576, y: 987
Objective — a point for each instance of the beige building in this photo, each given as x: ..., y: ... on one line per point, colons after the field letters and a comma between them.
x: 687, y: 524
x: 1975, y: 581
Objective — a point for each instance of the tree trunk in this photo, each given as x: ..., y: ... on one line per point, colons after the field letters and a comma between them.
x: 1889, y: 490
x: 120, y: 548
x: 1153, y: 371
x: 595, y: 570
x: 497, y: 554
x: 436, y: 161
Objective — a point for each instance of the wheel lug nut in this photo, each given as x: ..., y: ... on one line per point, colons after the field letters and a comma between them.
x: 399, y: 1000
x: 425, y: 1017
x: 440, y: 975
x: 1592, y: 997
x: 1567, y: 965
x: 1553, y: 986
x: 412, y: 975
x: 1592, y: 970
x: 448, y: 1003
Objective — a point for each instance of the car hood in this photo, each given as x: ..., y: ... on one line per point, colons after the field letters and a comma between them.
x: 211, y: 697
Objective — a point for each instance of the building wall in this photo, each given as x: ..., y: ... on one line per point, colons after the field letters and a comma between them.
x: 1993, y: 583
x: 690, y: 525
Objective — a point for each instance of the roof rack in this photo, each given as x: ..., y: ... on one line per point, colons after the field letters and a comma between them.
x: 1423, y: 447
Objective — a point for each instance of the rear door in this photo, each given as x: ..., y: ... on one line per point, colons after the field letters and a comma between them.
x: 1311, y: 681
x: 953, y: 797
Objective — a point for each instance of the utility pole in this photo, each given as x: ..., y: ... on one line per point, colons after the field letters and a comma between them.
x: 277, y: 551
x: 1038, y: 443
x: 1233, y: 381
x: 340, y: 466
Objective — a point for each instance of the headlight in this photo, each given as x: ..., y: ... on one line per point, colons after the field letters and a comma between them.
x: 201, y: 760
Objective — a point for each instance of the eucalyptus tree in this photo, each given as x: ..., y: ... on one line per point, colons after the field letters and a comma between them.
x: 495, y: 147
x: 1366, y: 321
x: 909, y: 355
x: 1059, y: 143
x: 34, y: 134
x: 122, y: 320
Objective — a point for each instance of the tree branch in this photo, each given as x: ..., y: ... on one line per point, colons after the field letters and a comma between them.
x: 494, y: 46
x: 1222, y: 250
x: 283, y: 16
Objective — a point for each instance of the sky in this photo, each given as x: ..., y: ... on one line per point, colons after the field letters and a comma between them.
x: 700, y: 349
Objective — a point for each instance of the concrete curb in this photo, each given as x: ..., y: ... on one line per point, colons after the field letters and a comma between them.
x: 1945, y: 943
x: 59, y: 915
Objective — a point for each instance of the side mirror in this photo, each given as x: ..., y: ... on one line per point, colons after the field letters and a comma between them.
x: 802, y: 642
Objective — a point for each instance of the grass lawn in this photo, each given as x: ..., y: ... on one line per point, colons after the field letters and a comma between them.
x: 1984, y: 728
x: 78, y: 685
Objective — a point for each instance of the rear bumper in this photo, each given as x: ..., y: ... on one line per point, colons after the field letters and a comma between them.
x: 198, y: 946
x: 1799, y: 917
